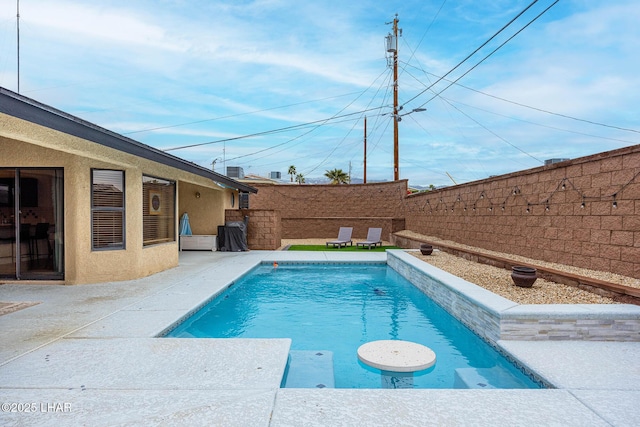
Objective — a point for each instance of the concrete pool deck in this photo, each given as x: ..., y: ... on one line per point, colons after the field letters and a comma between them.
x: 86, y: 355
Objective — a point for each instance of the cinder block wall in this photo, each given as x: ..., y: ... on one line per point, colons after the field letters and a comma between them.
x: 583, y: 212
x: 562, y: 213
x: 264, y: 231
x: 304, y: 228
x: 320, y: 210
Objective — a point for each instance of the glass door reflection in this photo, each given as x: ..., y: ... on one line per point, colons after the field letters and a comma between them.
x: 33, y: 239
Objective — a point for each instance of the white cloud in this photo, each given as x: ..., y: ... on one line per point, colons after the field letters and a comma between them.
x: 203, y: 70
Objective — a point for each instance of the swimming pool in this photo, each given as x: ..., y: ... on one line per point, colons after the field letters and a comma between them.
x: 332, y: 309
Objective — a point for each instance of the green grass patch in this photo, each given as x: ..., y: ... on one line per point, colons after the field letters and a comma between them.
x: 319, y: 248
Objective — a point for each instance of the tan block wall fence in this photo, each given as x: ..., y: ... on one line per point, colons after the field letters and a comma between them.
x: 561, y: 213
x: 264, y: 229
x: 584, y: 212
x: 309, y: 211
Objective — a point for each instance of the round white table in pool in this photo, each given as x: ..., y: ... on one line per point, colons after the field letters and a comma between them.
x: 397, y: 360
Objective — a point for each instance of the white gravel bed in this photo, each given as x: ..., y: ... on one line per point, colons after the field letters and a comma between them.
x: 595, y: 274
x: 498, y: 280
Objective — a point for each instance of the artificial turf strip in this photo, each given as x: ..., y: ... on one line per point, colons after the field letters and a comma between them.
x: 354, y: 248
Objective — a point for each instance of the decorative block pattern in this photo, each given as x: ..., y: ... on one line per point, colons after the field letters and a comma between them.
x: 264, y: 231
x: 495, y: 318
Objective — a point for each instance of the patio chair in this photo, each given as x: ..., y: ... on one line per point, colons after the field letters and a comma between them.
x: 344, y: 237
x: 373, y: 238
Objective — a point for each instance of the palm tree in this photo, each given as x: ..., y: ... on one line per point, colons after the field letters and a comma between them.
x: 337, y: 176
x: 300, y: 178
x: 292, y: 171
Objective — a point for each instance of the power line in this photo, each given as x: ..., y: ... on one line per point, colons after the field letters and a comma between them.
x: 317, y: 126
x: 413, y: 51
x: 475, y: 51
x: 480, y: 124
x: 491, y: 53
x: 542, y: 110
x: 551, y: 112
x: 236, y: 115
x: 492, y: 133
x: 449, y: 101
x: 284, y: 129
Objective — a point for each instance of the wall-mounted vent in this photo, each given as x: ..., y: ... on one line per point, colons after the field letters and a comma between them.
x: 243, y: 202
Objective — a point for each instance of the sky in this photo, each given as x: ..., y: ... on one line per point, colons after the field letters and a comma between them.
x: 269, y: 84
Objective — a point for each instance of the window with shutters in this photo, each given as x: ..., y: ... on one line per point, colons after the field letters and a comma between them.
x: 158, y: 211
x: 107, y: 209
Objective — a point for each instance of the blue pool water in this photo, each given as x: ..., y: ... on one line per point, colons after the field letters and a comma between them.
x: 335, y: 308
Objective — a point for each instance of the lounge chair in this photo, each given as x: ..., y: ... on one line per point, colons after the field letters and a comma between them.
x: 373, y: 238
x: 344, y: 237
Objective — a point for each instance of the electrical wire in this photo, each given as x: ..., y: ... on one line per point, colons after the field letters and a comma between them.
x: 268, y: 132
x: 237, y: 115
x: 322, y: 122
x: 541, y: 125
x: 490, y: 54
x: 542, y: 110
x: 476, y: 50
x: 483, y: 126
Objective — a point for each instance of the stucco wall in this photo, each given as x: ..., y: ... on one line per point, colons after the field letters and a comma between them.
x: 23, y: 144
x: 205, y: 206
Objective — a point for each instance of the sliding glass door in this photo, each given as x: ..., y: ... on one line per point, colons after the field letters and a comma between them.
x: 32, y: 223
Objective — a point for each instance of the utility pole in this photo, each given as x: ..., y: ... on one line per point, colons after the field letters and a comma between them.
x: 365, y: 149
x: 392, y: 46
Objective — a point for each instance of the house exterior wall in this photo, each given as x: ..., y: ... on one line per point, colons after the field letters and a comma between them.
x: 207, y: 211
x: 23, y: 144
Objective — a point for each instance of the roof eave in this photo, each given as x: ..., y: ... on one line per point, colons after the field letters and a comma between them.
x: 24, y: 108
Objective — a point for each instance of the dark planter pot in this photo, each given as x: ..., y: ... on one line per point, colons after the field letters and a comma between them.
x: 523, y: 276
x: 426, y: 249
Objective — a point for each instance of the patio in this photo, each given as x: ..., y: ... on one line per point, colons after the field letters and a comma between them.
x: 86, y: 355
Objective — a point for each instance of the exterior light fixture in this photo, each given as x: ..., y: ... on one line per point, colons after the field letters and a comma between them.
x: 197, y: 194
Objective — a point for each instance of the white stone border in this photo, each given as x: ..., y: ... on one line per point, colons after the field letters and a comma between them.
x: 496, y: 318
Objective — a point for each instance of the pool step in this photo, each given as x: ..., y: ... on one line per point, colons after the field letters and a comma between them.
x: 494, y: 377
x: 309, y: 369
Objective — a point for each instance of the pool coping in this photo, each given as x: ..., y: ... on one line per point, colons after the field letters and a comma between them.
x: 597, y: 382
x: 496, y: 318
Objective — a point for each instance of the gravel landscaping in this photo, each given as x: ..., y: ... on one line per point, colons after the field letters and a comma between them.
x: 498, y: 281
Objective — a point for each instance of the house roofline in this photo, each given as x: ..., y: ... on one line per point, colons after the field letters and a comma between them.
x: 21, y: 107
